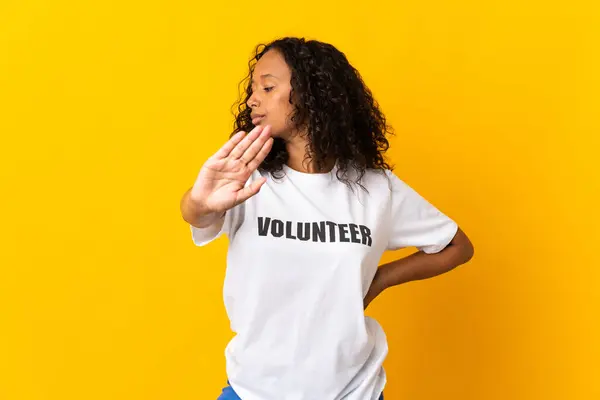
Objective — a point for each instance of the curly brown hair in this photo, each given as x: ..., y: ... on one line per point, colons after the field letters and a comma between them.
x: 342, y: 119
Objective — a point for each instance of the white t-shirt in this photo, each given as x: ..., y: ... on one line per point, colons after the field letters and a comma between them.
x: 302, y: 255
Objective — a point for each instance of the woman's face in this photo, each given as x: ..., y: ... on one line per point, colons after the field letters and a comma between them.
x: 271, y: 93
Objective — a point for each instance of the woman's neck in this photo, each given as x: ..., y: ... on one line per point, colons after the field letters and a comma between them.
x: 297, y: 148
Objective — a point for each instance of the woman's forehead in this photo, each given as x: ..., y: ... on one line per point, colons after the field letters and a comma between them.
x: 271, y: 64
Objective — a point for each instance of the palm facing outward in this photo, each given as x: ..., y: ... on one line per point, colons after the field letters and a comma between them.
x: 221, y: 182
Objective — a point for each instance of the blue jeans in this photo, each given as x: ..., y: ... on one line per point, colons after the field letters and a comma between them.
x: 229, y: 394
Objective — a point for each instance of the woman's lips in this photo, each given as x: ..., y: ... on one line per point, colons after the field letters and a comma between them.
x: 257, y: 119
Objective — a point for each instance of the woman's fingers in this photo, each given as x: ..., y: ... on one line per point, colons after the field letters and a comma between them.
x: 241, y: 147
x: 230, y: 145
x: 250, y: 190
x: 262, y: 154
x: 256, y: 146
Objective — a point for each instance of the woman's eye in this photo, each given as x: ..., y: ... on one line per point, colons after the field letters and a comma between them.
x: 268, y: 89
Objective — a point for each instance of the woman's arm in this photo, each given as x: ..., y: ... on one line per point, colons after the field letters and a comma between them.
x: 421, y: 265
x: 195, y: 215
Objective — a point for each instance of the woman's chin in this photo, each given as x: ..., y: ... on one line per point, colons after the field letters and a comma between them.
x: 274, y: 132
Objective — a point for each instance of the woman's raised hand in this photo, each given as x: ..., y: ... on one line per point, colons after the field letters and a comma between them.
x: 220, y: 185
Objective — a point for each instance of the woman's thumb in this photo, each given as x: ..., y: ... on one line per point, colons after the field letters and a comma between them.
x: 250, y: 190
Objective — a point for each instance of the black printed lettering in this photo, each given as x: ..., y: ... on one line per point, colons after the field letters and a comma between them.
x: 304, y: 231
x: 288, y: 230
x: 263, y: 226
x: 331, y: 226
x: 277, y: 228
x: 318, y: 231
x: 343, y: 232
x: 366, y: 235
x: 354, y: 233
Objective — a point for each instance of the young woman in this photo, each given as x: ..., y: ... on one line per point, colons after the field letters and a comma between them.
x: 309, y: 204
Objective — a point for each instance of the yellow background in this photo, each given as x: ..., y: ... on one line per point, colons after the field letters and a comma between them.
x: 109, y: 108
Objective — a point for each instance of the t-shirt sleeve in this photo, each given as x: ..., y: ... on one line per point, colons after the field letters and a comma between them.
x: 415, y: 222
x: 232, y: 220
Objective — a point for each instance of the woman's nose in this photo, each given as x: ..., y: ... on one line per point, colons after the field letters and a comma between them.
x: 252, y: 101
